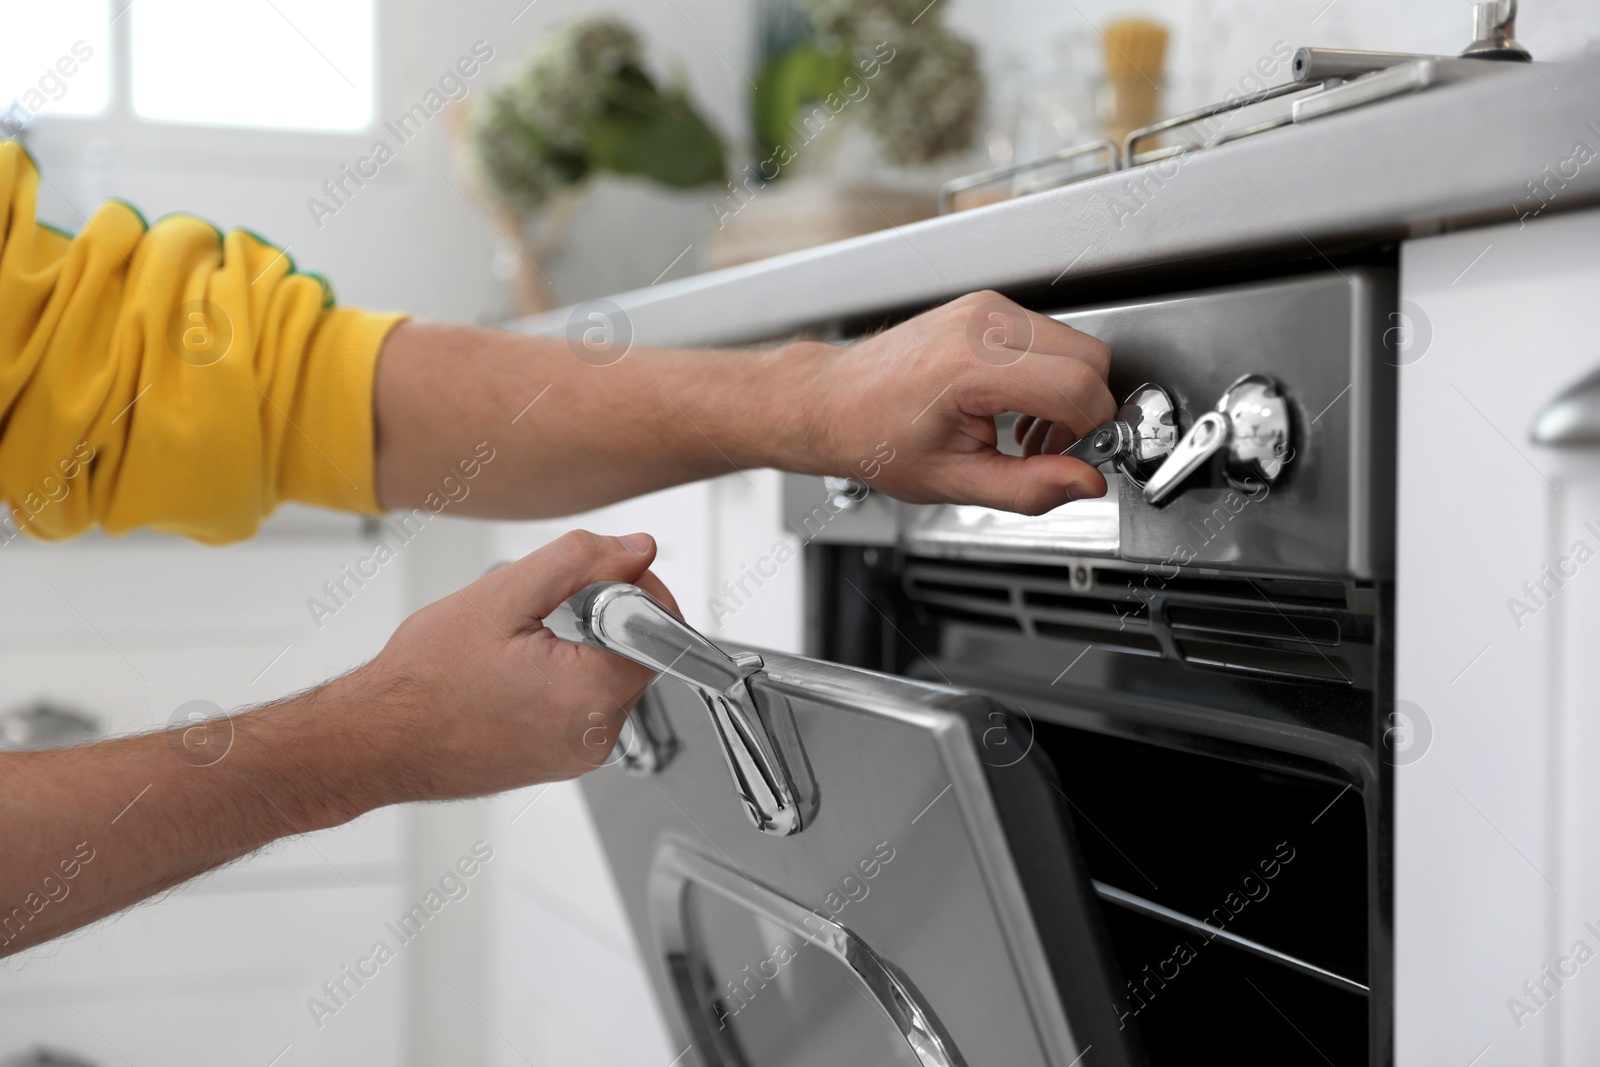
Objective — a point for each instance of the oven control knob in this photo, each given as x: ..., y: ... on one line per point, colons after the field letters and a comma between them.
x: 1250, y: 427
x: 844, y: 493
x: 1138, y: 439
x: 1258, y: 441
x: 1153, y: 418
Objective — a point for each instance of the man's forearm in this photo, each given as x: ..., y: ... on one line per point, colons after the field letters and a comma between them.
x: 92, y: 830
x: 546, y: 426
x: 569, y: 432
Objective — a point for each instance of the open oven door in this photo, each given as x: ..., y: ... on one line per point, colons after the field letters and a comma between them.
x: 887, y: 877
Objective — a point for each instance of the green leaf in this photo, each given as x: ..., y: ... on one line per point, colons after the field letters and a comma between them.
x: 805, y: 74
x: 656, y: 135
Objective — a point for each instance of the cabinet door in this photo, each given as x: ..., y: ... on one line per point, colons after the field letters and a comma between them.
x: 221, y: 978
x: 1497, y: 865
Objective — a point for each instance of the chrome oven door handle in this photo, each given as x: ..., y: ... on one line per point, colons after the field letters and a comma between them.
x: 625, y: 620
x: 1572, y: 419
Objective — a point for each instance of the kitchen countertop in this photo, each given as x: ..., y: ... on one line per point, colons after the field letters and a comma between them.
x: 1451, y: 157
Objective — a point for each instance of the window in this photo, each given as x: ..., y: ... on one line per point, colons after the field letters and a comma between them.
x: 286, y: 64
x: 55, y: 57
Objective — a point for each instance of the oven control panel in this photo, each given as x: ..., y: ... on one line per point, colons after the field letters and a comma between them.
x: 1249, y: 430
x: 1281, y: 400
x: 1257, y: 436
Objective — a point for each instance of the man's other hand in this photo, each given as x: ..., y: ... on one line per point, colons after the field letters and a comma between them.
x: 474, y: 695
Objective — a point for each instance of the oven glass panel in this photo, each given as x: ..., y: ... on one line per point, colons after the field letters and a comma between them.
x: 787, y: 1003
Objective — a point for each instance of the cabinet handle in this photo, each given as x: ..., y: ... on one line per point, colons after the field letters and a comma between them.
x: 45, y: 1057
x: 44, y: 725
x: 1571, y: 420
x: 626, y: 621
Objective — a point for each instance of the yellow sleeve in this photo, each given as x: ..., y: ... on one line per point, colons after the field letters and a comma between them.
x: 171, y: 377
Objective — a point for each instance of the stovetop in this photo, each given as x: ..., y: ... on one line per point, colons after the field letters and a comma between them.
x: 1324, y: 81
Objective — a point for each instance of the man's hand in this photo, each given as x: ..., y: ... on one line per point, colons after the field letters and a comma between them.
x: 927, y: 393
x: 476, y: 696
x: 472, y: 695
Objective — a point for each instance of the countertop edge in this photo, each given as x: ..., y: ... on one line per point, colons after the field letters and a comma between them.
x: 1403, y: 168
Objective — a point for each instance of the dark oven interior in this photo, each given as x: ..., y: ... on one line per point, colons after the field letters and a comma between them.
x: 1216, y: 746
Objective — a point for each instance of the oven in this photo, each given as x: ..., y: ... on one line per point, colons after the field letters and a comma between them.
x: 1111, y: 785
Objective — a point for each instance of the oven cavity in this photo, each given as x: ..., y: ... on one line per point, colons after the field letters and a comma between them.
x: 1235, y: 897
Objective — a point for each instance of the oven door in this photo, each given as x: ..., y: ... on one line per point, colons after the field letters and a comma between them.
x: 887, y: 877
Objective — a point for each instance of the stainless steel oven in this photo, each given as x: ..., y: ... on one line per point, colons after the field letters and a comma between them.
x: 1106, y: 786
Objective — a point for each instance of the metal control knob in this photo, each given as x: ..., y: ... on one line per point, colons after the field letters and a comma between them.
x: 1138, y: 439
x: 844, y: 493
x: 1250, y: 428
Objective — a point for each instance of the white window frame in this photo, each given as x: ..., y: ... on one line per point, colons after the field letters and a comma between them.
x: 156, y: 144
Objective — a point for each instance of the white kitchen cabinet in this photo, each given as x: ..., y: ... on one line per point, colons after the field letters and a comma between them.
x: 220, y: 979
x: 555, y: 912
x: 1497, y: 851
x: 125, y: 632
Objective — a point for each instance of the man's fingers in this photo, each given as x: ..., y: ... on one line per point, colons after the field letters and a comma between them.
x: 1000, y: 331
x: 524, y: 592
x: 1031, y: 486
x: 1057, y: 338
x: 1058, y: 440
x: 654, y: 586
x: 1033, y: 444
x: 1049, y: 388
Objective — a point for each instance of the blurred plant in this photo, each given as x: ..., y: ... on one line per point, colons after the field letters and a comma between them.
x: 585, y: 103
x: 926, y: 104
x: 931, y: 102
x: 801, y: 76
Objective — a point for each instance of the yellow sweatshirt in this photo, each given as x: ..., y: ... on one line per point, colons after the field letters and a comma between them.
x: 171, y: 377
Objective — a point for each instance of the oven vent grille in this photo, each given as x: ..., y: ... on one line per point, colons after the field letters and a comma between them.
x: 1276, y: 628
x: 1041, y: 607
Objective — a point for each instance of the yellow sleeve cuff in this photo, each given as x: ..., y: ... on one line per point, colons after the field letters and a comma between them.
x: 328, y: 451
